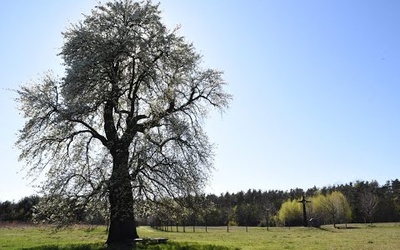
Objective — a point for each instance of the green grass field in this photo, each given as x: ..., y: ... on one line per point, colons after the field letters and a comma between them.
x: 379, y: 236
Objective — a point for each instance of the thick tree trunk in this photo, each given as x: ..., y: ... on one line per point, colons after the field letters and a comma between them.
x: 122, y: 220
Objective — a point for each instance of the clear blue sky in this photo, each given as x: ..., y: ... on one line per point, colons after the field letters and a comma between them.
x: 316, y: 86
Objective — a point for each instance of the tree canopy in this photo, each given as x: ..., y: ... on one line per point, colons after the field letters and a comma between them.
x: 126, y: 119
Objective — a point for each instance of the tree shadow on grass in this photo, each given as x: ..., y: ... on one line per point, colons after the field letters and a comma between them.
x: 348, y: 227
x: 334, y: 229
x: 68, y: 247
x: 167, y: 246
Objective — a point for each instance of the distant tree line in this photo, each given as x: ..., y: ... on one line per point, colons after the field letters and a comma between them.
x: 358, y: 202
x: 20, y: 211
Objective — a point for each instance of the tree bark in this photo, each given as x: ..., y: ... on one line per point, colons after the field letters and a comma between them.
x: 122, y: 220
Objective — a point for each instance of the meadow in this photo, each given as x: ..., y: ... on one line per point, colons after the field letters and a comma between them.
x: 357, y: 236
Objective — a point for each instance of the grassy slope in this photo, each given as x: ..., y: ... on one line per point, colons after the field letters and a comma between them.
x: 381, y: 236
x: 30, y: 237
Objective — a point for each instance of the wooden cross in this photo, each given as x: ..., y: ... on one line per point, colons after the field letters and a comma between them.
x: 304, y: 202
